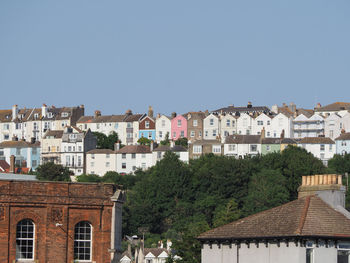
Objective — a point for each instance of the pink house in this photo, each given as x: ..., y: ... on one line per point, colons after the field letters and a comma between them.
x: 178, y: 127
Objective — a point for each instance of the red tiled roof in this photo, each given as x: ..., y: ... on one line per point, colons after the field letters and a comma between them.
x: 307, y: 216
x: 135, y: 149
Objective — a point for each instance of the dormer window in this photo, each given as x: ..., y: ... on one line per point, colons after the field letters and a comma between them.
x: 64, y: 114
x: 49, y: 115
x: 36, y: 115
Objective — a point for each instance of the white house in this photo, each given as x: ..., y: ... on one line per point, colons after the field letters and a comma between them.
x: 228, y: 125
x: 132, y: 157
x: 343, y: 143
x: 336, y: 107
x: 240, y: 146
x: 335, y: 123
x: 313, y: 228
x: 260, y: 122
x: 163, y: 127
x: 312, y: 126
x: 51, y: 146
x: 211, y: 127
x: 75, y: 144
x: 321, y: 147
x: 281, y: 123
x: 332, y: 126
x: 245, y: 124
x: 156, y: 255
x: 126, y: 126
x: 101, y: 161
x: 159, y: 152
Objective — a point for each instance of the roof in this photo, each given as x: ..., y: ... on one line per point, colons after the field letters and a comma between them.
x: 178, y: 148
x: 54, y: 133
x: 308, y: 216
x: 135, y: 149
x: 316, y: 140
x: 336, y: 106
x: 133, y: 117
x: 195, y: 115
x: 155, y: 251
x: 306, y: 112
x: 233, y: 109
x: 18, y: 144
x: 162, y: 148
x: 206, y: 142
x: 101, y: 119
x: 5, y: 115
x: 271, y: 141
x: 343, y: 136
x: 17, y: 177
x: 101, y: 151
x: 288, y: 141
x: 243, y: 139
x: 4, y: 165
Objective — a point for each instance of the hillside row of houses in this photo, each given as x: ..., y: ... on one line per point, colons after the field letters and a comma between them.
x: 76, y: 149
x: 64, y: 135
x: 201, y: 125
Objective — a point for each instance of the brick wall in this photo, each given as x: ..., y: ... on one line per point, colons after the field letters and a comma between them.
x: 48, y: 203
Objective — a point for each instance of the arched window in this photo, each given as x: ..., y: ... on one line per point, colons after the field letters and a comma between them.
x: 82, y: 241
x: 25, y: 235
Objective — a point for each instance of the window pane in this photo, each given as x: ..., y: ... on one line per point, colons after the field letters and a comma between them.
x: 25, y: 239
x: 343, y: 256
x: 82, y: 241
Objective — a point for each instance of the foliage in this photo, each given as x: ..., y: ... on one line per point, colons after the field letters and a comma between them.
x: 89, y: 178
x: 180, y: 201
x: 267, y: 189
x: 52, y: 172
x: 182, y: 141
x: 166, y: 140
x: 144, y: 141
x: 106, y: 142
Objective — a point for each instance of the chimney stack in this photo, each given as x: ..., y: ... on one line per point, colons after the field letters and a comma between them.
x: 262, y: 135
x: 150, y: 111
x: 97, y: 113
x: 274, y: 109
x: 12, y: 164
x: 282, y: 134
x: 117, y: 146
x: 14, y: 111
x: 292, y: 107
x: 43, y: 110
x: 328, y: 187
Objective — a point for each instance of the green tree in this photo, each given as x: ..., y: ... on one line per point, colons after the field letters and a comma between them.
x: 89, y: 178
x: 340, y: 164
x: 224, y: 214
x: 182, y: 141
x: 106, y: 142
x: 166, y: 140
x: 144, y: 141
x: 52, y: 172
x: 267, y: 189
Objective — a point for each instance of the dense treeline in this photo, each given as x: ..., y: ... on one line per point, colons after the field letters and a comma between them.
x: 178, y: 201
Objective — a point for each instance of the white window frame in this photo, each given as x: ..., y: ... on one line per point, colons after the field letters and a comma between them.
x: 26, y: 239
x: 84, y: 240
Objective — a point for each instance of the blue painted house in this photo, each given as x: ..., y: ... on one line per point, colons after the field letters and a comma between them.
x: 147, y: 128
x: 343, y: 143
x: 27, y: 154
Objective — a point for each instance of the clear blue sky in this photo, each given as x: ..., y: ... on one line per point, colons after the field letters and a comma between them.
x: 177, y: 55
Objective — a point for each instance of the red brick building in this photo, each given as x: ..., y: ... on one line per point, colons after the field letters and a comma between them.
x: 56, y: 222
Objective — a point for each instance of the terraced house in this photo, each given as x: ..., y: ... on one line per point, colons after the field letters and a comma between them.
x: 313, y: 228
x: 33, y: 123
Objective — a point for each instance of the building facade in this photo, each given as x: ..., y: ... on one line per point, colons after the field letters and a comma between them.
x: 55, y: 222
